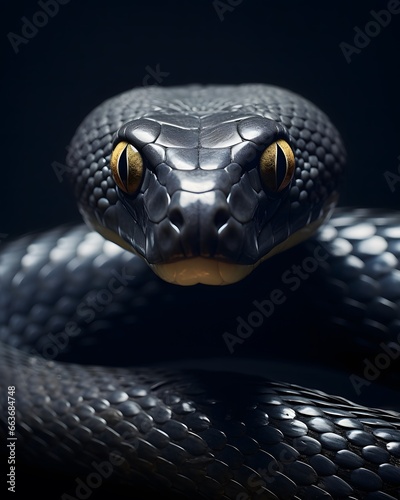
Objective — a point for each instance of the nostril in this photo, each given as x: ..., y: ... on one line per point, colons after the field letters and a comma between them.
x: 176, y: 217
x: 221, y: 217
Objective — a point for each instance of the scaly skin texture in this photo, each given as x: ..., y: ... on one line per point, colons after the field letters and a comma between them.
x: 201, y: 194
x: 87, y: 328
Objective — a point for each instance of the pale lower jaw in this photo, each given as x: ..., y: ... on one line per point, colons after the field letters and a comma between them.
x: 201, y: 270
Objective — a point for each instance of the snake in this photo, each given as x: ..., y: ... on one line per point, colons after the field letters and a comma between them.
x: 176, y: 342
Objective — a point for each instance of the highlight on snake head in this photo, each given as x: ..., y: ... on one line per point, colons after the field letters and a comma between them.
x: 204, y: 187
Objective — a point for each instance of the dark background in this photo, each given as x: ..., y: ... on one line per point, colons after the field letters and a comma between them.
x: 92, y: 50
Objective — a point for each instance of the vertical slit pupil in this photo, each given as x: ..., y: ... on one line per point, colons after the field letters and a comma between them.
x: 281, y: 166
x: 123, y: 167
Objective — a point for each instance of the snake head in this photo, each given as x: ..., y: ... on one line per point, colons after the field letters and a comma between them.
x: 205, y: 183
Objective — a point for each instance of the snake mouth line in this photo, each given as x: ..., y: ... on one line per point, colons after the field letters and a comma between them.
x: 202, y: 270
x: 196, y: 270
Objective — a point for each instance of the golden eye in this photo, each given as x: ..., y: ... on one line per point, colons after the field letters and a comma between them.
x: 277, y: 166
x: 126, y: 167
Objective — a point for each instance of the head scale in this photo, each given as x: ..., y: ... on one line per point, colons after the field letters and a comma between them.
x: 206, y: 182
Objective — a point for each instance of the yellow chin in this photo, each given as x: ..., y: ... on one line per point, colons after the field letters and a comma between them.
x: 213, y: 272
x: 201, y: 270
x: 196, y: 270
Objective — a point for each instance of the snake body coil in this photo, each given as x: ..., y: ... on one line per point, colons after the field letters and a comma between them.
x: 204, y: 184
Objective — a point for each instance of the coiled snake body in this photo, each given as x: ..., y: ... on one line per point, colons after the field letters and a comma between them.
x: 205, y: 183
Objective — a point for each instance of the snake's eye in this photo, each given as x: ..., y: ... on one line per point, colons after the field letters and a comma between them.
x: 126, y: 167
x: 277, y: 166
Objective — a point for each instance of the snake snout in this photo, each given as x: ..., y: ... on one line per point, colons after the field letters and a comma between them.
x: 199, y: 217
x: 199, y: 240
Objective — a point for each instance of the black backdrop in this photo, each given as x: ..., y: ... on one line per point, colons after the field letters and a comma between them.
x: 89, y: 51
